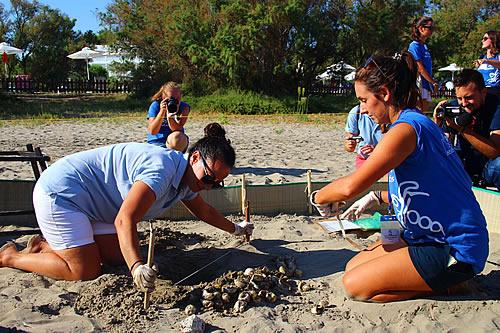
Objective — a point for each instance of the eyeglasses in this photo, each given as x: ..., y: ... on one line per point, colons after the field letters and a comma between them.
x: 485, y: 38
x: 208, y: 178
x: 370, y: 61
x: 430, y: 27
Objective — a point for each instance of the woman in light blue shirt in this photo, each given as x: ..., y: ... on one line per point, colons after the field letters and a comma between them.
x: 88, y: 204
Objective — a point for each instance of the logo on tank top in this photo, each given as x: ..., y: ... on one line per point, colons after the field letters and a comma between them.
x: 402, y: 202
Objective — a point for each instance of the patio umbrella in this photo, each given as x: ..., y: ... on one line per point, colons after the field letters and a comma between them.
x: 451, y: 68
x: 85, y: 53
x: 341, y: 66
x: 6, y: 49
x: 350, y: 76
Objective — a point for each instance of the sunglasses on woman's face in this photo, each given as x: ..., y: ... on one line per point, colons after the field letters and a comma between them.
x: 430, y: 27
x: 485, y: 38
x: 208, y: 178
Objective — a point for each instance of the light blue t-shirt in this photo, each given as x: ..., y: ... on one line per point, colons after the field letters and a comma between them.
x: 491, y: 74
x: 420, y: 52
x: 160, y: 139
x: 432, y: 196
x: 364, y: 126
x: 97, y: 181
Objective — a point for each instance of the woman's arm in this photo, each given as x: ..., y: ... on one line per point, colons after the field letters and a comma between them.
x: 422, y: 71
x: 396, y: 145
x: 177, y: 123
x: 154, y: 123
x: 202, y: 210
x: 138, y: 201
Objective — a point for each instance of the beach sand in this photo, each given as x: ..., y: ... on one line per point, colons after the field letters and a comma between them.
x: 268, y: 152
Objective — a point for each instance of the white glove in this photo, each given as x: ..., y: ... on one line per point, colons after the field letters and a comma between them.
x: 357, y: 208
x: 144, y: 277
x: 243, y: 228
x: 325, y: 210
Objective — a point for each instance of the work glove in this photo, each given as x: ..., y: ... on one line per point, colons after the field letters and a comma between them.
x: 357, y: 208
x: 325, y: 210
x: 243, y: 228
x: 144, y: 277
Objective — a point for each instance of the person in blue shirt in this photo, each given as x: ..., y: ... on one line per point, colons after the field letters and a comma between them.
x: 167, y: 116
x: 444, y: 240
x: 89, y: 203
x: 489, y: 64
x: 421, y: 31
x: 360, y: 125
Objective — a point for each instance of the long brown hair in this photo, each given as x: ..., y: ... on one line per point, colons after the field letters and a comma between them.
x: 171, y: 85
x: 495, y: 40
x: 398, y: 74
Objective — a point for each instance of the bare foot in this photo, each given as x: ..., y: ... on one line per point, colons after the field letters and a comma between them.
x: 35, y: 244
x: 6, y: 251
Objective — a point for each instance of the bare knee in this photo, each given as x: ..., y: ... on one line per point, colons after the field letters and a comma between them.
x: 177, y: 141
x: 84, y: 273
x: 354, y: 288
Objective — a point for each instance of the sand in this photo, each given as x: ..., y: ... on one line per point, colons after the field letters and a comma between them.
x: 268, y: 152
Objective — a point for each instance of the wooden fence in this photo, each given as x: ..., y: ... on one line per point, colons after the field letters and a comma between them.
x: 18, y: 85
x: 320, y: 90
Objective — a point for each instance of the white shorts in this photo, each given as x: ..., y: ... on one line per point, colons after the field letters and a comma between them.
x: 62, y: 225
x: 426, y: 94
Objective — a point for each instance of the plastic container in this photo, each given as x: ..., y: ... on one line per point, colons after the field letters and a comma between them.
x: 390, y: 229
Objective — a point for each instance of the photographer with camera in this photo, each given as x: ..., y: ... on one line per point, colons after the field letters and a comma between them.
x: 362, y: 135
x: 167, y: 116
x: 472, y: 124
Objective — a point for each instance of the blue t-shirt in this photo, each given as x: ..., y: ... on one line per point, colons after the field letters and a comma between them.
x: 364, y: 126
x: 160, y: 139
x: 432, y: 196
x: 491, y: 74
x: 420, y: 52
x: 97, y: 181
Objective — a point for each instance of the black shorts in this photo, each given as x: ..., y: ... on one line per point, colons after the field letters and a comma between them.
x: 437, y: 267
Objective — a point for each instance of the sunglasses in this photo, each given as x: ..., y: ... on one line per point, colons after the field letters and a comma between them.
x: 430, y: 27
x: 370, y: 61
x: 208, y: 178
x: 485, y: 38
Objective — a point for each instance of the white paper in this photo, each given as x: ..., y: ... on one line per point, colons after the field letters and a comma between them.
x: 334, y: 226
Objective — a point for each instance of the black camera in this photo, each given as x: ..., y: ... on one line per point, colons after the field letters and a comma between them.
x: 172, y: 105
x: 456, y: 113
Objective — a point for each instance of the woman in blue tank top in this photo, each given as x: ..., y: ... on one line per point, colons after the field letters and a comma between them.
x: 444, y: 240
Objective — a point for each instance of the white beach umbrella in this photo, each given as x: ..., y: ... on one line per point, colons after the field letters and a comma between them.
x: 350, y: 76
x: 85, y: 53
x: 451, y: 68
x: 6, y: 49
x: 341, y: 66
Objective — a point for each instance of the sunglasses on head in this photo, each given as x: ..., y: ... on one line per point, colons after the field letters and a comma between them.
x: 370, y: 61
x: 208, y: 178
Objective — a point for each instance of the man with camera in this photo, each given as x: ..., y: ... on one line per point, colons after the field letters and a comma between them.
x: 167, y: 116
x: 472, y: 123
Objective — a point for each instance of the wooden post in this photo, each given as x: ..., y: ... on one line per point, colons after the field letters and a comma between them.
x: 243, y: 194
x: 247, y: 218
x: 309, y: 191
x: 151, y: 251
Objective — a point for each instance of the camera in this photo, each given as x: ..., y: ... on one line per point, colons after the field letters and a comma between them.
x: 458, y: 115
x: 172, y: 105
x: 356, y: 138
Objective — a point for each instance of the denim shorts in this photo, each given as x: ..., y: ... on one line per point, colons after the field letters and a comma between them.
x: 437, y: 267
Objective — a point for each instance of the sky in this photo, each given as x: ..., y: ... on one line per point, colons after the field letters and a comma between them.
x: 84, y: 11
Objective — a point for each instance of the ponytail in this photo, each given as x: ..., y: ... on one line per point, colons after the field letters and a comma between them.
x: 215, y: 146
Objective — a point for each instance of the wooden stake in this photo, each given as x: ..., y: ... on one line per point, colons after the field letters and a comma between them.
x: 243, y: 194
x: 247, y: 218
x: 151, y: 251
x: 309, y: 191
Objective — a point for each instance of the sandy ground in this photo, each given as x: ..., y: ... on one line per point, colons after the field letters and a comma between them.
x: 267, y: 152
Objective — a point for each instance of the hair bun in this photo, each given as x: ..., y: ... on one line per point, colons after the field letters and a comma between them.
x: 214, y: 130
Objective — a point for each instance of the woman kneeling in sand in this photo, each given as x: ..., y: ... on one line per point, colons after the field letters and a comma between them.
x: 88, y: 205
x: 444, y: 240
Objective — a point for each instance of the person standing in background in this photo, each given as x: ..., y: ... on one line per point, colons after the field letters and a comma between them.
x: 489, y: 64
x: 421, y: 30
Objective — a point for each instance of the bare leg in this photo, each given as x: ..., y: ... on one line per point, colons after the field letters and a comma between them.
x: 109, y: 248
x: 177, y: 141
x: 373, y: 251
x: 384, y: 275
x: 79, y: 263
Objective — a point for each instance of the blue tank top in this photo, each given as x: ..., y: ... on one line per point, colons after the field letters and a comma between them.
x: 491, y: 74
x: 432, y: 196
x: 160, y: 139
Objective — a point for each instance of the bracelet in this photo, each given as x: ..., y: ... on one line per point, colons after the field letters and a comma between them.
x: 133, y: 265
